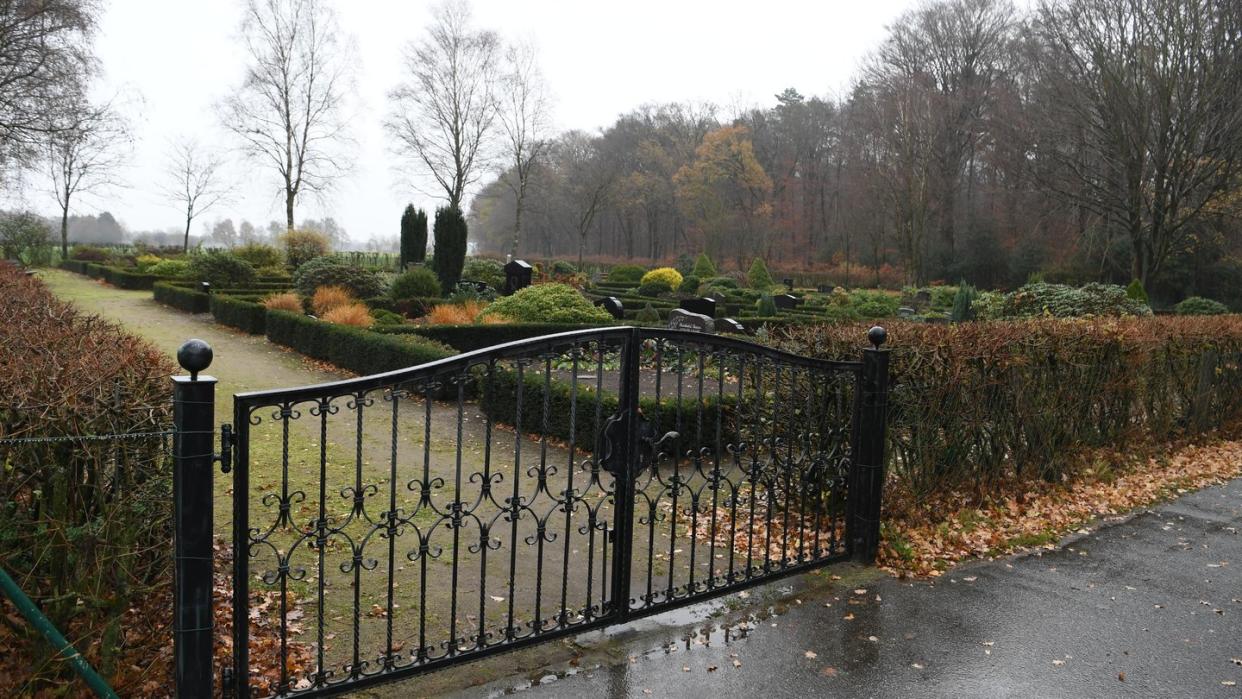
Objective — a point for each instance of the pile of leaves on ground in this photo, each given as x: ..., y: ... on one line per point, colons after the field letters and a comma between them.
x: 84, y: 521
x: 925, y: 538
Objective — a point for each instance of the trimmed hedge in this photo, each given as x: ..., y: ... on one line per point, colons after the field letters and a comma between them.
x: 465, y: 338
x: 357, y: 350
x: 239, y: 313
x: 182, y: 298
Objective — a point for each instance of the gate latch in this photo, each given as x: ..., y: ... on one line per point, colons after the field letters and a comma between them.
x: 225, y: 457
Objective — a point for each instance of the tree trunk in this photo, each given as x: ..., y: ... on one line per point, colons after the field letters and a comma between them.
x: 185, y: 247
x: 517, y: 228
x: 289, y: 196
x: 64, y: 231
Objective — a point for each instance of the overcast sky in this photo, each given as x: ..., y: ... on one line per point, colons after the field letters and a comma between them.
x: 600, y: 59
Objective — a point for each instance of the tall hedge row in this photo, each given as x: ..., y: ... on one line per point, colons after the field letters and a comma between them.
x: 182, y: 298
x: 247, y: 316
x: 974, y: 404
x: 466, y: 338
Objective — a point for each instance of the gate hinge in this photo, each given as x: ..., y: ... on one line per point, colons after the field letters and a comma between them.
x: 225, y: 457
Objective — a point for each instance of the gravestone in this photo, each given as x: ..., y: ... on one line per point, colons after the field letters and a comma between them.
x: 729, y: 325
x: 785, y: 302
x: 613, y: 305
x: 788, y: 283
x: 824, y: 288
x: 703, y: 306
x: 517, y: 276
x: 906, y: 312
x: 922, y: 299
x: 681, y: 319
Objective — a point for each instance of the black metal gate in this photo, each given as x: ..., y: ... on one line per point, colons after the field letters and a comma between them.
x: 392, y: 524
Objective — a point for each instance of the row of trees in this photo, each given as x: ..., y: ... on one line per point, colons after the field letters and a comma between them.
x: 1094, y: 138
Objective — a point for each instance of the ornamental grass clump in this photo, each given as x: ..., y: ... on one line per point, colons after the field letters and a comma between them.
x: 355, y: 314
x: 287, y: 301
x: 327, y: 298
x: 464, y: 313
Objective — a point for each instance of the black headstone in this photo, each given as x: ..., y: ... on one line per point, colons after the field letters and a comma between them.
x: 517, y: 276
x: 613, y: 305
x: 785, y: 301
x: 789, y: 283
x: 729, y: 325
x: 681, y: 319
x: 824, y: 288
x: 702, y: 306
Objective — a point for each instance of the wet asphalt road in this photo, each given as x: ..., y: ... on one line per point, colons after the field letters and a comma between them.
x: 1148, y: 607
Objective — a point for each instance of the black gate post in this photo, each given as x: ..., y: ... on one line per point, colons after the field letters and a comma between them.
x: 193, y: 425
x: 623, y: 476
x: 867, y: 469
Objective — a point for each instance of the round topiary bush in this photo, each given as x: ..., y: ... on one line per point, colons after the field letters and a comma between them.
x: 416, y: 282
x: 260, y: 255
x: 561, y: 268
x: 1199, y: 306
x: 626, y: 274
x: 170, y: 268
x: 689, y: 284
x: 548, y: 303
x: 647, y: 314
x: 481, y: 269
x: 221, y: 270
x: 325, y: 271
x: 667, y: 275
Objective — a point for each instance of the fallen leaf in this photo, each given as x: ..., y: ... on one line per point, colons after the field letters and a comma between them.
x: 811, y: 654
x: 829, y: 671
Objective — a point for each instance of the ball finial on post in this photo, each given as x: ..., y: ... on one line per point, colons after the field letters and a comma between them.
x: 876, y: 336
x: 194, y: 356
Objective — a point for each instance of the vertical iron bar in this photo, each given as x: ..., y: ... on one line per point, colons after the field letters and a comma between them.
x: 623, y: 496
x: 193, y: 449
x: 241, y: 555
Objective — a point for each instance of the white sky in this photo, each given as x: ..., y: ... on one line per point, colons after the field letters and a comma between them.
x: 600, y: 60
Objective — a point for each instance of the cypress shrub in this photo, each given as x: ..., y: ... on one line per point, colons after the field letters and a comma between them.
x: 413, y: 236
x: 963, y: 302
x: 703, y: 267
x: 757, y: 277
x: 450, y: 247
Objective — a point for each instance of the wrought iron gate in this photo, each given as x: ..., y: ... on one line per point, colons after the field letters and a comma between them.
x: 392, y: 524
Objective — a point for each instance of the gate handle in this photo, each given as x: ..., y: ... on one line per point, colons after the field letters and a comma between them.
x: 225, y: 457
x: 656, y: 443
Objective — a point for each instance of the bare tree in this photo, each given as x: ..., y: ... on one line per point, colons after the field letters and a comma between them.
x: 45, y: 63
x: 445, y: 110
x: 524, y: 118
x: 195, y: 180
x: 587, y: 182
x: 84, y: 156
x: 1143, y: 115
x: 289, y: 111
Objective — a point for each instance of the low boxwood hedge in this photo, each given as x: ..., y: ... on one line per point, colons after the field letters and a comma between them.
x: 498, y: 400
x: 355, y: 349
x: 247, y: 316
x: 465, y: 338
x: 182, y: 298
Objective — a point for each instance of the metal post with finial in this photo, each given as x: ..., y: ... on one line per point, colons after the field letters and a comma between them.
x: 194, y: 399
x: 867, y: 468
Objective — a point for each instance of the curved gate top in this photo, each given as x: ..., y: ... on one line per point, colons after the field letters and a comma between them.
x: 392, y: 524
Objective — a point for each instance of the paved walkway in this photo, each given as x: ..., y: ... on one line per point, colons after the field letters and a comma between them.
x: 1148, y: 607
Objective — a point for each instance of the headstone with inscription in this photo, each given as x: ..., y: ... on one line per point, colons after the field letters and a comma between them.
x: 785, y: 301
x: 729, y: 325
x: 681, y: 319
x: 517, y: 276
x: 613, y: 305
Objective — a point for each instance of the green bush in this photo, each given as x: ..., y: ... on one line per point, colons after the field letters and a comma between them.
x: 170, y: 268
x: 1199, y: 306
x: 325, y: 271
x: 723, y: 282
x: 481, y: 269
x: 385, y: 317
x: 260, y: 255
x: 963, y: 303
x: 689, y: 284
x: 647, y: 314
x: 413, y: 236
x: 626, y: 274
x: 220, y: 269
x: 181, y: 298
x: 90, y: 253
x: 1063, y: 301
x: 663, y: 275
x: 415, y: 282
x: 450, y: 247
x: 766, y: 306
x: 757, y: 277
x: 655, y: 288
x: 303, y: 246
x: 869, y: 303
x: 684, y: 264
x: 354, y: 349
x: 561, y: 268
x: 703, y: 267
x: 126, y: 279
x: 25, y: 237
x: 246, y: 316
x: 1136, y: 292
x: 549, y: 303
